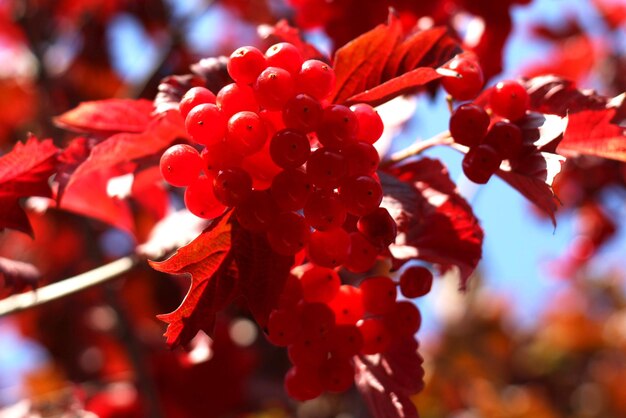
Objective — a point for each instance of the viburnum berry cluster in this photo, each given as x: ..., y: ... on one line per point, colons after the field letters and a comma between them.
x: 324, y: 324
x: 291, y: 164
x: 491, y: 134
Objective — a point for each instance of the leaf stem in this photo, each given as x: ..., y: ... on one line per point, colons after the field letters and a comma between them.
x: 417, y: 148
x: 57, y: 290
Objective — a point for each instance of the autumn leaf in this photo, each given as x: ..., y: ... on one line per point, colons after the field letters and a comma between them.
x: 559, y: 96
x: 207, y: 260
x: 435, y: 223
x: 24, y: 172
x: 388, y: 380
x: 108, y: 116
x: 376, y: 58
x: 16, y: 276
x: 283, y: 32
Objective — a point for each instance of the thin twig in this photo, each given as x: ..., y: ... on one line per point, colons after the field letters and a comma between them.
x: 60, y: 289
x: 418, y: 147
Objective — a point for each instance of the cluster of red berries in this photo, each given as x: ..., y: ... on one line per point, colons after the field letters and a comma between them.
x: 295, y: 167
x: 324, y: 324
x: 470, y: 124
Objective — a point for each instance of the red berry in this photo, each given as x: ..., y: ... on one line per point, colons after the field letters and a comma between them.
x: 282, y: 328
x: 286, y: 56
x: 290, y: 148
x: 246, y: 132
x: 361, y: 195
x: 245, y: 64
x: 326, y: 168
x: 362, y: 255
x: 206, y: 124
x: 415, y: 281
x: 316, y: 319
x: 510, y: 100
x: 273, y: 88
x: 309, y: 350
x: 469, y: 79
x: 339, y: 126
x: 379, y: 294
x: 347, y: 305
x: 180, y: 165
x: 201, y: 201
x: 378, y: 227
x: 371, y: 126
x: 234, y: 98
x: 320, y: 284
x: 291, y: 294
x: 232, y: 186
x: 362, y: 158
x: 324, y: 210
x: 219, y: 156
x: 291, y: 189
x: 329, y: 248
x: 469, y: 124
x: 195, y: 96
x: 506, y: 138
x: 257, y: 211
x: 303, y: 383
x: 376, y: 338
x: 302, y: 112
x: 480, y: 163
x: 403, y: 319
x: 345, y: 341
x: 288, y: 233
x: 337, y: 374
x: 316, y: 78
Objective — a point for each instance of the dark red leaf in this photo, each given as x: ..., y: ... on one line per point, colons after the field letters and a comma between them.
x: 108, y: 116
x: 387, y: 381
x: 403, y: 84
x: 70, y: 158
x: 592, y: 132
x: 149, y: 191
x: 172, y: 88
x: 88, y: 196
x: 125, y: 147
x: 16, y: 276
x: 207, y: 260
x: 262, y: 272
x: 435, y: 223
x: 559, y: 96
x: 24, y: 172
x: 381, y: 55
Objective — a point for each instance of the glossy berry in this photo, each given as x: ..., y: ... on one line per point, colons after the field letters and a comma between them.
x: 324, y: 210
x: 303, y: 383
x: 195, y: 96
x: 469, y: 124
x: 509, y: 99
x: 345, y: 341
x: 288, y: 233
x: 329, y: 248
x: 206, y: 124
x: 290, y: 148
x: 201, y: 201
x: 257, y: 211
x: 234, y: 98
x: 319, y: 284
x: 326, y: 168
x: 362, y: 255
x: 339, y: 126
x: 403, y: 319
x: 379, y: 294
x: 291, y: 294
x: 316, y: 78
x: 347, y: 305
x: 415, y: 281
x: 309, y: 350
x: 281, y: 327
x: 378, y: 227
x: 273, y: 88
x: 370, y: 124
x: 362, y: 158
x: 469, y: 79
x: 480, y: 163
x: 286, y: 56
x: 291, y: 189
x: 361, y: 194
x: 302, y: 112
x: 218, y: 156
x: 180, y: 165
x: 376, y: 338
x: 316, y: 319
x: 232, y: 186
x: 505, y: 138
x: 337, y: 374
x: 246, y: 132
x: 245, y: 64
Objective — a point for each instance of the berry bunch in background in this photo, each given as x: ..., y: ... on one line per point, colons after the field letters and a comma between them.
x: 292, y: 165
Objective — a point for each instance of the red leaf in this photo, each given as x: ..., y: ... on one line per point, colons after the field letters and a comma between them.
x: 24, y: 172
x: 88, y: 196
x: 388, y: 380
x: 559, y: 96
x: 283, y: 32
x: 380, y: 55
x: 16, y: 276
x: 434, y: 222
x: 404, y: 84
x: 262, y: 272
x: 149, y: 191
x: 592, y: 132
x: 108, y: 116
x: 207, y: 260
x: 124, y: 147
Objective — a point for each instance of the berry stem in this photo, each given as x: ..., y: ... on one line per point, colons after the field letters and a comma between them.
x: 417, y: 148
x: 58, y: 290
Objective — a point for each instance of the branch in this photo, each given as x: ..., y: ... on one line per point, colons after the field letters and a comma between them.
x: 418, y: 147
x: 57, y: 290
